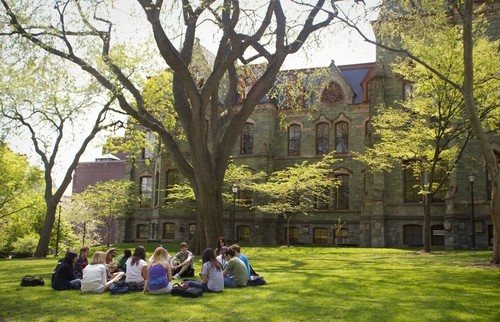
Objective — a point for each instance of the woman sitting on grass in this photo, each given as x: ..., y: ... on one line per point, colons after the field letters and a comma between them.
x: 137, y: 270
x: 212, y: 279
x: 159, y: 273
x: 95, y: 275
x: 64, y: 276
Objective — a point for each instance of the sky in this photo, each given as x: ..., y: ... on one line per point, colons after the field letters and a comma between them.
x: 343, y: 47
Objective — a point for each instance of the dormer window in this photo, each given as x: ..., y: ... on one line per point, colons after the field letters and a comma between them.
x: 332, y: 93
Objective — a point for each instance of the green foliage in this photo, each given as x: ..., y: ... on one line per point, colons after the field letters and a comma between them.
x: 21, y: 198
x: 304, y: 283
x: 298, y: 189
x: 102, y: 203
x: 26, y: 244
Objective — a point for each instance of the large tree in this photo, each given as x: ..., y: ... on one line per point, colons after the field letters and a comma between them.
x: 83, y: 33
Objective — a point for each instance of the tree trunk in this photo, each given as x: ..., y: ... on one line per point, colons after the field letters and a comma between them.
x: 427, y: 223
x: 479, y: 132
x: 48, y: 225
x: 209, y: 221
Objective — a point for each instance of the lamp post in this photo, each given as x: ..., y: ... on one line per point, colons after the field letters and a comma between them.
x: 58, y: 230
x: 472, y: 217
x: 233, y: 215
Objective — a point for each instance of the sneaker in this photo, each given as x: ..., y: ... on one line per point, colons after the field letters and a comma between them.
x: 177, y: 276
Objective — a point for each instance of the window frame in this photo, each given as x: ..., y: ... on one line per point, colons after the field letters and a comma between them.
x: 294, y: 134
x: 323, y: 138
x: 247, y: 138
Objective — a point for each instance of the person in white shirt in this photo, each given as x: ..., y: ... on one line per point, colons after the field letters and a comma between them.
x: 95, y: 275
x: 137, y: 270
x: 220, y: 257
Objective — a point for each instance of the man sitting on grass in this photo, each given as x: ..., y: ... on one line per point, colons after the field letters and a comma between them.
x: 182, y: 263
x: 235, y: 274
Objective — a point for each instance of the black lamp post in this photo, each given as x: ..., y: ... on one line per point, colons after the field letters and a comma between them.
x: 58, y: 230
x: 233, y: 215
x: 472, y: 218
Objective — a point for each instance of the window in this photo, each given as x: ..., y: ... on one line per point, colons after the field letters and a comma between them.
x: 320, y: 235
x: 341, y: 137
x: 322, y: 139
x: 192, y: 230
x: 246, y: 146
x: 157, y: 187
x: 323, y: 200
x: 149, y: 145
x: 411, y: 183
x: 440, y: 194
x: 245, y: 197
x: 412, y: 235
x: 142, y: 231
x: 173, y: 178
x: 294, y: 235
x: 168, y: 230
x: 341, y: 193
x: 407, y: 89
x: 332, y: 93
x: 294, y: 139
x: 146, y: 191
x: 342, y: 233
x: 243, y: 233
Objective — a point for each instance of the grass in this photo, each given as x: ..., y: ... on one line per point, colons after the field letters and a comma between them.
x: 304, y: 284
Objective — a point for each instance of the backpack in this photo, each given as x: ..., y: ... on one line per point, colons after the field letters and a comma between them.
x: 29, y: 280
x: 256, y: 281
x: 178, y: 290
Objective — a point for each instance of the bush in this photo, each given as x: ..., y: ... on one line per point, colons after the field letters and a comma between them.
x: 25, y: 246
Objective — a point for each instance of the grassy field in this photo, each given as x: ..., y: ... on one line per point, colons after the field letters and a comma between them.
x: 304, y: 284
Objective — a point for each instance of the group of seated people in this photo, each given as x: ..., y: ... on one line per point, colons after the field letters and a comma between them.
x: 223, y: 267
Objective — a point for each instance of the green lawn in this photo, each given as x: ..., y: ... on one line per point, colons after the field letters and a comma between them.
x: 304, y: 284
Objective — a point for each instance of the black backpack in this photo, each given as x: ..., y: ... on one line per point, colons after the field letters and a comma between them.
x: 178, y: 290
x: 29, y: 280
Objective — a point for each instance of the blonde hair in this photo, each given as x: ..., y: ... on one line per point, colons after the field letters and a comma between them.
x: 98, y: 258
x: 159, y: 256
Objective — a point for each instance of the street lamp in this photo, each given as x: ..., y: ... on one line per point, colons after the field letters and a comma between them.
x: 473, y: 224
x: 58, y: 230
x: 233, y: 215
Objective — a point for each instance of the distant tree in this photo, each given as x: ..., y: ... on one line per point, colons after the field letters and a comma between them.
x: 297, y: 189
x: 108, y: 201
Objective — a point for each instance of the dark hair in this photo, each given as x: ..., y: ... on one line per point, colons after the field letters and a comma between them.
x: 183, y: 244
x: 230, y: 252
x: 223, y: 242
x: 139, y: 253
x: 127, y: 253
x: 69, y: 257
x: 209, y: 256
x: 83, y: 249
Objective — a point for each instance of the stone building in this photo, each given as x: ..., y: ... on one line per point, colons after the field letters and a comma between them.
x: 375, y: 207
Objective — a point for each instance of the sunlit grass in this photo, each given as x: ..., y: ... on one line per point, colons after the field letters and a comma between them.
x: 304, y: 284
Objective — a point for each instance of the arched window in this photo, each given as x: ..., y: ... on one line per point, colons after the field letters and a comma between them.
x: 322, y: 139
x: 243, y: 233
x: 173, y: 178
x: 411, y: 182
x: 342, y: 137
x: 149, y: 145
x: 412, y: 235
x: 146, y: 191
x: 168, y: 230
x: 332, y: 93
x: 407, y: 90
x: 246, y: 145
x: 294, y: 139
x: 320, y: 235
x: 142, y: 231
x: 341, y: 193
